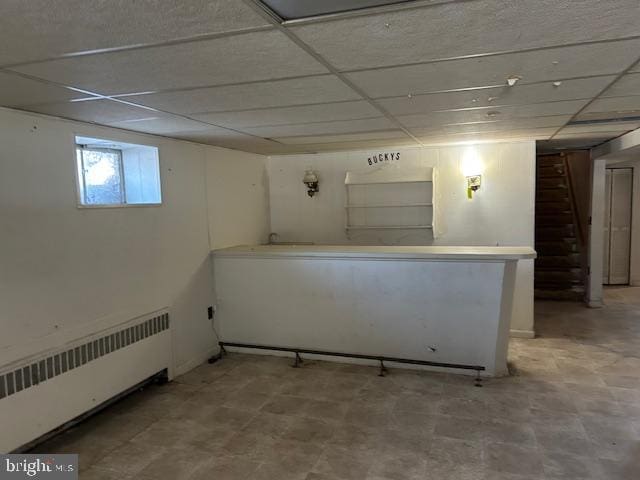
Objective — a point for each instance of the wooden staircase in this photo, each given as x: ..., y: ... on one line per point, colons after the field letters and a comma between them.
x: 559, y: 272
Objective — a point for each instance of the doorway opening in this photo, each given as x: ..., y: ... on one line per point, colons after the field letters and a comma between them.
x: 617, y: 226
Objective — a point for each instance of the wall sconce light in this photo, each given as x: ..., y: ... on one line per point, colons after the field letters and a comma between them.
x: 471, y: 167
x: 473, y: 184
x: 311, y: 181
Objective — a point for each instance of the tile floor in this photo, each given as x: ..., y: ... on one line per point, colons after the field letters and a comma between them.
x: 570, y: 411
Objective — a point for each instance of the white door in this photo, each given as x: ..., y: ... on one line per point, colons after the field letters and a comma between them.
x: 607, y: 230
x: 617, y: 228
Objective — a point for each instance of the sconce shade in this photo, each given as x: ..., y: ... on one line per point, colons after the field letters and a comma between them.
x: 310, y: 177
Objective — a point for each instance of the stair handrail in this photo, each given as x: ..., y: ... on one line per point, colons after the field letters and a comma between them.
x: 581, y: 232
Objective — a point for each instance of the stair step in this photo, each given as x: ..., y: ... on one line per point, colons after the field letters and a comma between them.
x: 552, y: 182
x: 559, y: 219
x: 545, y: 171
x: 552, y: 195
x: 557, y: 274
x: 557, y: 279
x: 552, y: 208
x: 549, y: 161
x: 556, y: 248
x: 561, y: 295
x: 541, y: 285
x: 558, y: 261
x: 554, y: 232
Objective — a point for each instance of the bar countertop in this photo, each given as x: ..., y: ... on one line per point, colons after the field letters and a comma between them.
x: 436, y: 253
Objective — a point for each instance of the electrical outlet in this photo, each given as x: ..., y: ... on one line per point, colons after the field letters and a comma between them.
x: 210, y: 312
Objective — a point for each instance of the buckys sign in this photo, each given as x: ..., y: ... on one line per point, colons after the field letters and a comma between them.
x: 383, y: 157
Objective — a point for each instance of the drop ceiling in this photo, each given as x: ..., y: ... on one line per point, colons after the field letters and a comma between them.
x: 233, y: 74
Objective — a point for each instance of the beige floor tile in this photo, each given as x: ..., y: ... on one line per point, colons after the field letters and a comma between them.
x: 223, y: 468
x: 130, y: 458
x: 285, y: 405
x: 563, y: 466
x: 509, y: 458
x: 345, y: 464
x: 304, y: 429
x: 405, y: 466
x: 571, y: 409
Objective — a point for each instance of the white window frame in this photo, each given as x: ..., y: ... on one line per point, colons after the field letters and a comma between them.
x: 83, y: 191
x: 80, y: 179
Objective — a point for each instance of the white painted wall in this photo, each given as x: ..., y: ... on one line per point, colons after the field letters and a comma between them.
x: 237, y: 197
x: 66, y: 272
x: 501, y: 212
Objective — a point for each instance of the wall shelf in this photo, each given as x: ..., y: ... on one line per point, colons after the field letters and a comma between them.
x: 386, y: 205
x: 389, y: 199
x: 391, y: 227
x: 389, y: 182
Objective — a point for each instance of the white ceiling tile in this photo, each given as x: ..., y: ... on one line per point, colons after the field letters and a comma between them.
x: 17, y: 91
x: 568, y: 144
x: 628, y: 85
x: 615, y: 105
x: 494, y: 97
x: 95, y: 111
x: 42, y: 29
x: 240, y: 58
x: 348, y: 126
x: 554, y: 121
x: 237, y: 141
x: 596, y: 128
x: 505, y: 130
x: 292, y: 115
x: 535, y: 66
x: 347, y: 137
x: 164, y: 125
x: 611, y: 116
x: 513, y: 135
x: 356, y: 145
x: 303, y: 9
x: 277, y: 93
x: 467, y: 28
x: 485, y: 114
x: 596, y: 137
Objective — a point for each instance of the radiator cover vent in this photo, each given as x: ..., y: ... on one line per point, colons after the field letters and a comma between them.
x: 35, y: 372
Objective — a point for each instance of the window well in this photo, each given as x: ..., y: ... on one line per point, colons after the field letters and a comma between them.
x: 114, y: 173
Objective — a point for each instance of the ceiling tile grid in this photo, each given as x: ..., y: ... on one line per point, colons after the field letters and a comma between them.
x: 584, y: 88
x: 467, y: 28
x: 41, y: 29
x: 223, y: 72
x: 323, y: 128
x: 626, y: 85
x: 249, y: 96
x: 546, y: 65
x: 103, y: 111
x: 17, y: 91
x: 292, y: 115
x: 234, y: 59
x: 490, y: 113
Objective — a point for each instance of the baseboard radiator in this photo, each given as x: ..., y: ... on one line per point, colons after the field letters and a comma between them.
x: 42, y: 392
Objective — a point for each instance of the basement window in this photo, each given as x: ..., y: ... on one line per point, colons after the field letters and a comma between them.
x: 116, y: 174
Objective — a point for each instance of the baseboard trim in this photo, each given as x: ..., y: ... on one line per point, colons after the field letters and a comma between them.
x: 522, y: 334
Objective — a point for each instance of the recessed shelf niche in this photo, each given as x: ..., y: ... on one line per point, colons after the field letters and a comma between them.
x: 389, y: 199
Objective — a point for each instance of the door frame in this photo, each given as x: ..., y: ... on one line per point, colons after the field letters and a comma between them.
x: 608, y: 228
